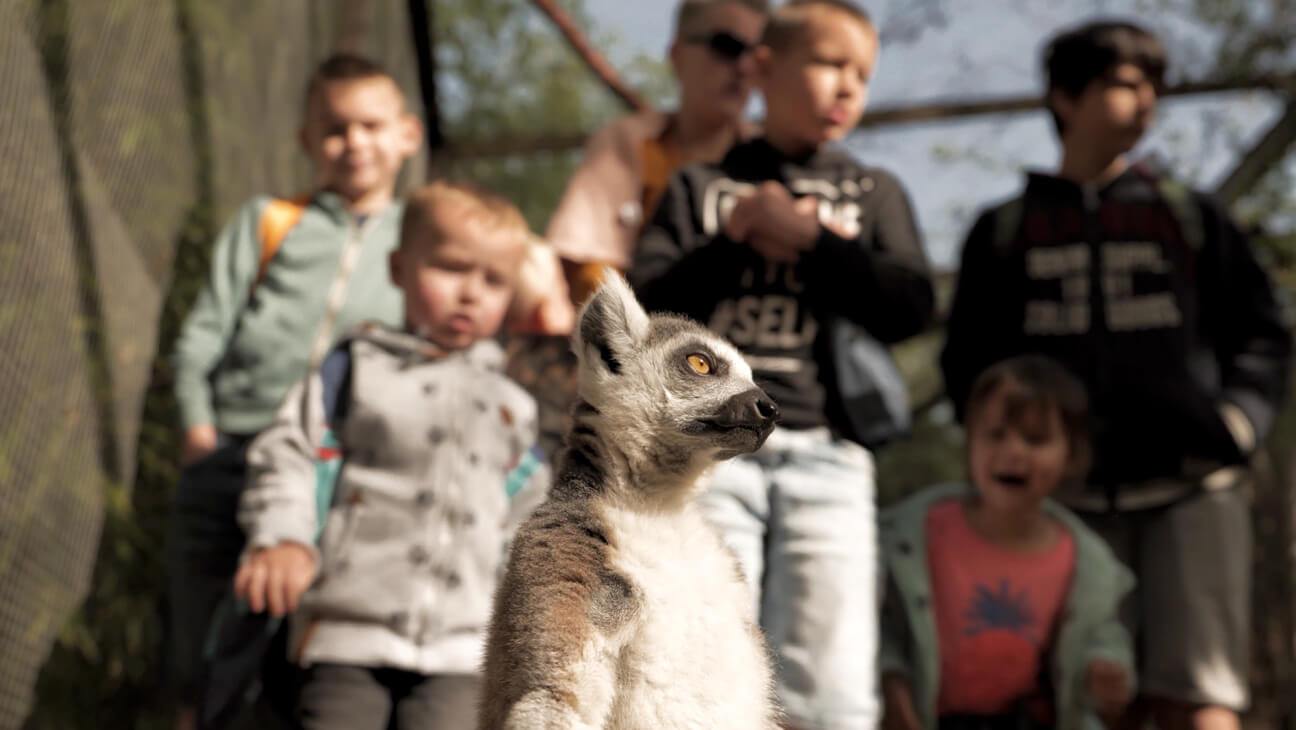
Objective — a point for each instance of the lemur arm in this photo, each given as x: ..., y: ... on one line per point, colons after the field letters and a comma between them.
x: 561, y: 619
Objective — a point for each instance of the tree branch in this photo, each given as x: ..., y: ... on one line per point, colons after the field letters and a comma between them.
x: 592, y: 58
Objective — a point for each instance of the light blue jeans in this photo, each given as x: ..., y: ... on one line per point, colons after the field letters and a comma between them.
x: 800, y: 515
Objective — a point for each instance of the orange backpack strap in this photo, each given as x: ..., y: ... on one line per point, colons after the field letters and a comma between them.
x: 278, y: 217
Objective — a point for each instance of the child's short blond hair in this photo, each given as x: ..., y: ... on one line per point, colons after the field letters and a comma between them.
x: 786, y: 25
x: 467, y: 201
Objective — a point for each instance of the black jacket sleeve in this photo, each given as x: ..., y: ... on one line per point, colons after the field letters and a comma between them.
x: 674, y: 263
x: 982, y: 318
x: 1253, y: 338
x: 879, y: 280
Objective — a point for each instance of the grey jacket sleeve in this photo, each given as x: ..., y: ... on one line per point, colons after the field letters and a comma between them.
x: 279, y: 503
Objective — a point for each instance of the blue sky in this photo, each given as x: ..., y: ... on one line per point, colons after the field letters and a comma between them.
x: 989, y: 48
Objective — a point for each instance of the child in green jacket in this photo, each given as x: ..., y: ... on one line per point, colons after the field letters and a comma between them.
x: 1001, y: 609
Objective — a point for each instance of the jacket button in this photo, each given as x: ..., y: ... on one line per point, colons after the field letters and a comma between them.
x: 452, y: 580
x: 436, y: 435
x: 920, y: 603
x: 904, y: 548
x: 425, y: 498
x: 429, y: 388
x: 418, y: 555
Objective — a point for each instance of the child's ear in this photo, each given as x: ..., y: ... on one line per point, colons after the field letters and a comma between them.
x: 411, y: 133
x: 395, y: 266
x: 1078, y: 460
x: 763, y: 56
x: 1062, y: 104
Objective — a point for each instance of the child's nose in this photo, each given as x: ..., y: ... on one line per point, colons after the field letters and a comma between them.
x: 472, y: 288
x: 354, y: 132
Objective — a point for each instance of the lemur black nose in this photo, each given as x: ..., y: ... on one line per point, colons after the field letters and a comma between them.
x: 750, y: 408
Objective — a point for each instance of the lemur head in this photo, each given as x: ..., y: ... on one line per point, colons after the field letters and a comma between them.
x: 672, y: 396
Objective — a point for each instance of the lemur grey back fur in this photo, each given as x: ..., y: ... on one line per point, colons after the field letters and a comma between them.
x: 621, y: 608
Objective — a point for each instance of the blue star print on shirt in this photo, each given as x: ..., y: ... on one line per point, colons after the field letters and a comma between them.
x: 1002, y: 610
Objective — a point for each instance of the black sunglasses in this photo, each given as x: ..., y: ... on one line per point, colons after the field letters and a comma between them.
x: 724, y: 45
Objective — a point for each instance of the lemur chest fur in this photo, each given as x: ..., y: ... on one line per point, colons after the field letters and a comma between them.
x: 692, y: 655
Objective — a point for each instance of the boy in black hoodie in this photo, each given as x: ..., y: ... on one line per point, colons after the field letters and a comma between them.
x: 1150, y: 294
x: 776, y: 247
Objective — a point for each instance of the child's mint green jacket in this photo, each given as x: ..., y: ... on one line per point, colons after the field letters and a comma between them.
x: 1089, y: 627
x: 239, y: 352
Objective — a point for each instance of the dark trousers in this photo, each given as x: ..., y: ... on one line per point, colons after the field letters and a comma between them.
x: 205, y: 544
x: 989, y: 722
x: 346, y: 697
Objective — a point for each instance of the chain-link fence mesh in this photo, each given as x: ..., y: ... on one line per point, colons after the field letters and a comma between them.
x: 128, y: 129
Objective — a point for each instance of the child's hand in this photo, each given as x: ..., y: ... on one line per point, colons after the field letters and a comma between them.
x: 199, y: 441
x: 274, y: 578
x: 898, y: 711
x: 541, y: 303
x: 1108, y: 685
x: 778, y: 226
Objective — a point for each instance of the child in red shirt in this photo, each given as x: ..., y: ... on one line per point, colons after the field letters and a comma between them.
x: 1002, y: 607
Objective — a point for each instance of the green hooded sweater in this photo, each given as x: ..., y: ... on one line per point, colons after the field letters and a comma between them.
x: 1088, y: 627
x: 245, y: 344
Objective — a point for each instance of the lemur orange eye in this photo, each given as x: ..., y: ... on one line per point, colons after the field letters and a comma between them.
x: 700, y: 364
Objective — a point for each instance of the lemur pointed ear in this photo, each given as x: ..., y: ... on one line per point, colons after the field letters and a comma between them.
x: 612, y: 322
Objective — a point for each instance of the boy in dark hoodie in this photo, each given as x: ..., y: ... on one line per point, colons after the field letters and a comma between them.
x: 777, y: 247
x: 1150, y: 294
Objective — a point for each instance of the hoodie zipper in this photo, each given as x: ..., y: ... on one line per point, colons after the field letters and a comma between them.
x: 1098, y: 334
x: 338, y: 289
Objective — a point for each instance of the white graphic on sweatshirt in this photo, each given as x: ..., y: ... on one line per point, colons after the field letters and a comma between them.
x: 1124, y: 310
x: 777, y: 320
x: 839, y: 207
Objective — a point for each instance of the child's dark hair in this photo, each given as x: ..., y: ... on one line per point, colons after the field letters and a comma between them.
x: 1078, y: 57
x: 1037, y: 385
x: 690, y: 12
x: 343, y: 67
x: 787, y: 23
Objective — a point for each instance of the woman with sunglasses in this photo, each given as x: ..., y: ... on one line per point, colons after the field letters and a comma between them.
x: 626, y: 164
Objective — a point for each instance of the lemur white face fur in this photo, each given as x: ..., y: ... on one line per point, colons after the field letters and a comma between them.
x: 675, y: 397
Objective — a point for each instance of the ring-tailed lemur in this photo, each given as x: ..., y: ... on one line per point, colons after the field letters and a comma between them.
x: 621, y: 608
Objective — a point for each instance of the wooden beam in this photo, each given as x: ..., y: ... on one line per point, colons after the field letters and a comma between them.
x: 946, y: 110
x: 592, y: 58
x: 1268, y: 151
x: 354, y: 23
x: 880, y: 117
x: 423, y: 33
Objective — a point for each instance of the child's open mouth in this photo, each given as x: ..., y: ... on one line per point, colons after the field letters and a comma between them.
x: 1012, y: 481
